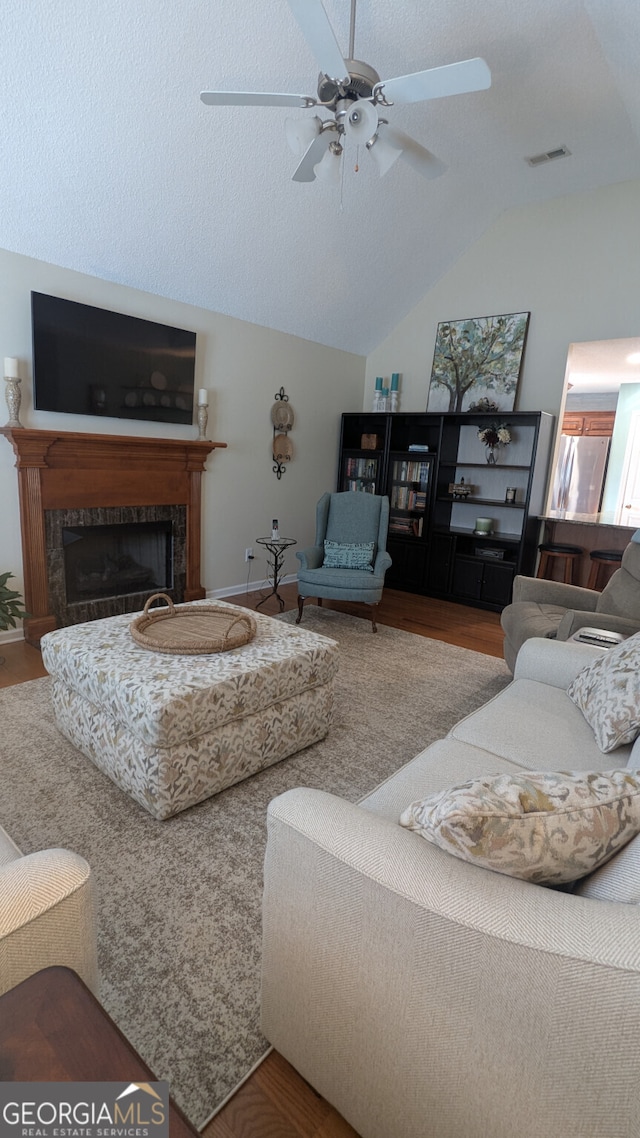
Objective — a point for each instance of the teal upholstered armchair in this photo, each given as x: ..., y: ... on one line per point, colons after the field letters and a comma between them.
x: 349, y: 559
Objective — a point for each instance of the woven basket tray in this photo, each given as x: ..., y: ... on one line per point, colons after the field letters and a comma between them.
x: 191, y: 630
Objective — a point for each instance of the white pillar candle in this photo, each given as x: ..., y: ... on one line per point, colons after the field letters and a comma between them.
x: 11, y: 368
x: 203, y: 397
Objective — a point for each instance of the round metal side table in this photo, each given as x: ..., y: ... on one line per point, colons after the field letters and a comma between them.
x: 275, y: 561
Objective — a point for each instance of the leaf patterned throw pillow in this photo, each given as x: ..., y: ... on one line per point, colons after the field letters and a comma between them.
x: 607, y: 692
x: 548, y: 827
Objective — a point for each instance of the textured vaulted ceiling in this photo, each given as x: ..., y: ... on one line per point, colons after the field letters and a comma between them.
x: 111, y: 165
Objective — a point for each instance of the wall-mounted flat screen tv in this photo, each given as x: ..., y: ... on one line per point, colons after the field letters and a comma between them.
x: 89, y: 361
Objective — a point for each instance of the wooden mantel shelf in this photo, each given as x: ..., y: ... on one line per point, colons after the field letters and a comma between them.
x: 60, y: 470
x: 63, y: 448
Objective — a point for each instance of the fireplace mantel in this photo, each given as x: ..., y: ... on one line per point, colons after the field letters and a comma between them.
x: 67, y: 470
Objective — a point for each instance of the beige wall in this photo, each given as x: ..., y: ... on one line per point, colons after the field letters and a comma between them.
x: 573, y: 263
x: 243, y: 366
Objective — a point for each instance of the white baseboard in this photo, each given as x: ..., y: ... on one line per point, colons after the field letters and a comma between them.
x: 11, y: 635
x: 252, y: 587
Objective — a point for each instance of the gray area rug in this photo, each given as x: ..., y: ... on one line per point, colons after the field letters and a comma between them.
x: 179, y: 901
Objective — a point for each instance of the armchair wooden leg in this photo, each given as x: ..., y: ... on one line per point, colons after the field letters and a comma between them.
x: 374, y: 627
x: 301, y: 601
x: 320, y: 602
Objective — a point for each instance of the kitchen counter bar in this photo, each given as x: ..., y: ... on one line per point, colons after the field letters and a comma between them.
x: 589, y: 532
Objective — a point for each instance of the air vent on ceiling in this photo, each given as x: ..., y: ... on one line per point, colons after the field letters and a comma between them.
x: 548, y: 156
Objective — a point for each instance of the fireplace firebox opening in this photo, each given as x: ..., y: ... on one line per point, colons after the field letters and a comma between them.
x: 117, y: 560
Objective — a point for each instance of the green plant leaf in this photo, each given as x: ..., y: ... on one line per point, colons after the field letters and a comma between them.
x: 10, y: 604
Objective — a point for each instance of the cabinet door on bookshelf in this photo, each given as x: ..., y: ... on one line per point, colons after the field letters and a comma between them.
x: 408, y: 568
x: 440, y: 562
x: 467, y: 578
x: 497, y: 584
x: 474, y: 579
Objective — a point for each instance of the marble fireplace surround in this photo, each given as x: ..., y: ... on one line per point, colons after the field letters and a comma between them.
x: 73, y: 471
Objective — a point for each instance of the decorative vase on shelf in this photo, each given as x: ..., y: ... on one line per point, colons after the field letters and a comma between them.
x: 494, y: 436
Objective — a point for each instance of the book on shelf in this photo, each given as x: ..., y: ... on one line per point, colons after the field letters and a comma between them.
x: 409, y: 525
x: 361, y: 467
x: 406, y: 498
x: 418, y: 446
x: 414, y: 471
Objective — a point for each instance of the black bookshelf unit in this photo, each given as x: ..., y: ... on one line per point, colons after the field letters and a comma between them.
x: 435, y: 472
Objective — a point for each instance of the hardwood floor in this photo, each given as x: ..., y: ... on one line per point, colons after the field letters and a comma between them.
x: 21, y: 663
x: 276, y: 1102
x: 441, y: 620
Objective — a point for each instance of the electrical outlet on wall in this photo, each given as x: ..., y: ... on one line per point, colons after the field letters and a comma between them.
x: 248, y: 553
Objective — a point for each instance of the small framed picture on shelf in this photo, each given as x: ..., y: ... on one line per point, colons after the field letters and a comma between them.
x: 477, y: 363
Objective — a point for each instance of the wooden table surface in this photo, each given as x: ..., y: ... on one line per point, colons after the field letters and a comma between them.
x: 53, y: 1029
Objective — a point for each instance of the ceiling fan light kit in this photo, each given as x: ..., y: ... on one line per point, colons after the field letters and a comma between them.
x: 351, y: 91
x: 383, y: 151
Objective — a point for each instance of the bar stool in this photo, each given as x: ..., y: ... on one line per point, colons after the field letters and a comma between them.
x: 566, y: 555
x: 600, y: 559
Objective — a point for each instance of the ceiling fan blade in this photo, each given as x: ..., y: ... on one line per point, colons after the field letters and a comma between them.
x: 452, y: 79
x: 315, y: 152
x: 320, y: 36
x: 254, y: 99
x: 416, y: 155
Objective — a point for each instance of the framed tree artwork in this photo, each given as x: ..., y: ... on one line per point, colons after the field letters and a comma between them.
x: 477, y: 363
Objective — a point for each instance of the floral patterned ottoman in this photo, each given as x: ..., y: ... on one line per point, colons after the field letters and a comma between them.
x: 173, y: 730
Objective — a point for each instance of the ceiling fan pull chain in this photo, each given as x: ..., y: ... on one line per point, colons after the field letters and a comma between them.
x: 356, y: 168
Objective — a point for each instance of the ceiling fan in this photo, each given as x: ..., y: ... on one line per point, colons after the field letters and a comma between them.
x: 353, y: 93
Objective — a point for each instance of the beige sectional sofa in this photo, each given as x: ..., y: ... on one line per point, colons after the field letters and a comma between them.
x: 47, y: 914
x: 426, y: 997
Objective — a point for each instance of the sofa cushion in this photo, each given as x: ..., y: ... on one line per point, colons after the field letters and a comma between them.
x: 546, y: 827
x: 537, y: 726
x: 607, y: 692
x: 432, y: 770
x: 349, y: 555
x: 523, y: 619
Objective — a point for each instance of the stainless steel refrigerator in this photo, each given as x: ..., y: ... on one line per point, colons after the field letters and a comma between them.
x: 579, y: 474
